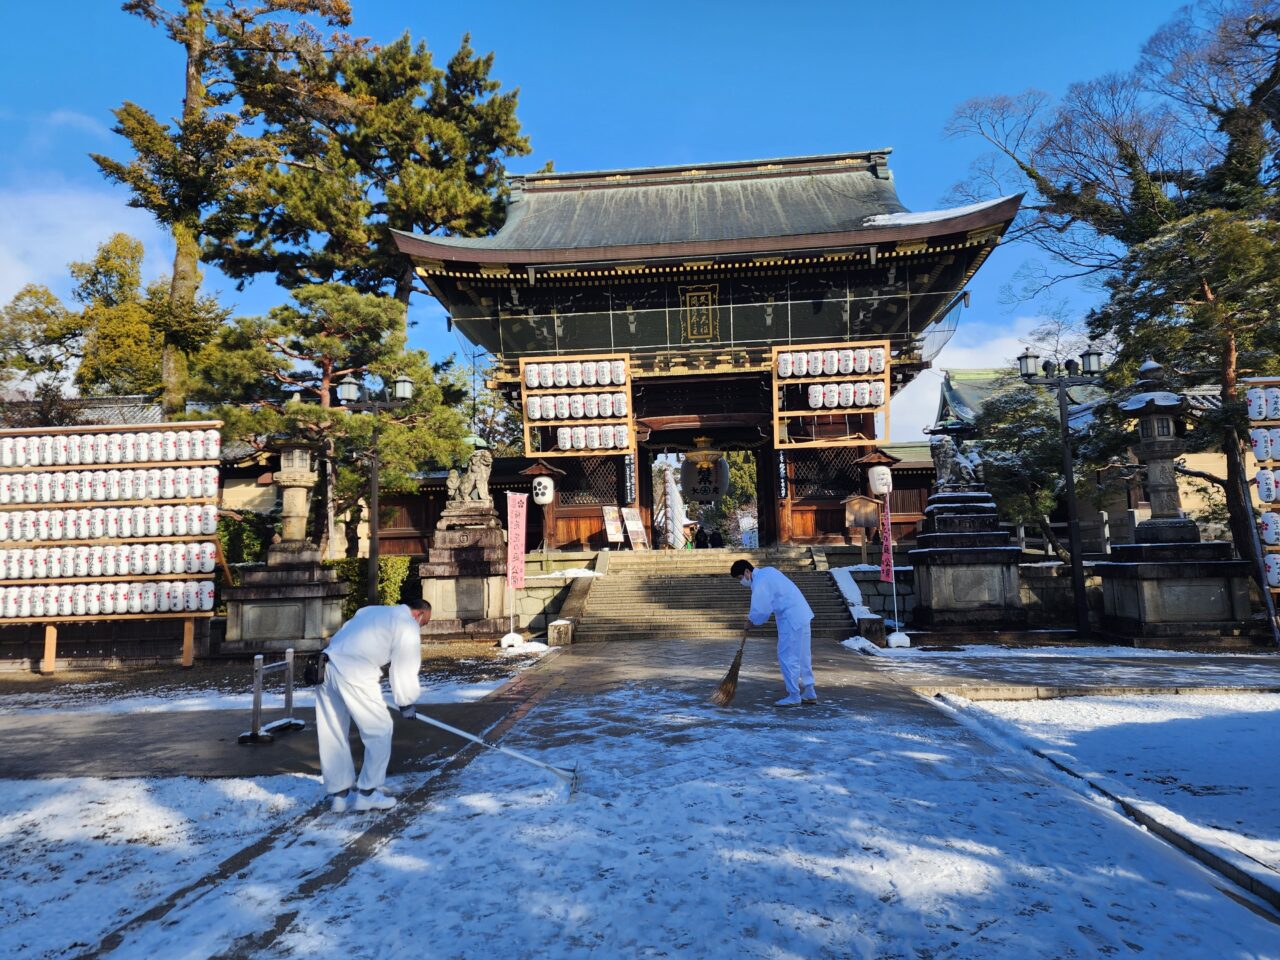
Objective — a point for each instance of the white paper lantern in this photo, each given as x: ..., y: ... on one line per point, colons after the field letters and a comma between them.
x: 785, y: 367
x: 195, y: 518
x: 1256, y: 397
x: 54, y: 563
x: 560, y: 374
x: 198, y: 445
x: 191, y: 596
x: 1273, y: 569
x: 575, y: 406
x: 564, y: 438
x: 799, y: 364
x: 604, y: 402
x: 590, y: 405
x: 38, y: 604
x: 36, y: 451
x: 210, y: 476
x: 167, y: 481
x: 830, y: 362
x: 171, y: 445
x: 96, y: 561
x: 115, y: 448
x: 533, y: 408
x: 129, y: 448
x: 24, y: 601
x: 815, y: 363
x: 135, y: 598
x: 151, y: 559
x: 164, y: 597
x: 4, y: 526
x: 60, y: 449
x: 622, y: 436
x: 9, y: 597
x: 74, y: 446
x: 137, y: 558
x: 42, y: 525
x: 1259, y: 440
x: 575, y: 373
x: 208, y: 556
x: 40, y: 563
x: 6, y: 488
x: 1273, y: 403
x: 606, y: 437
x: 97, y: 523
x: 101, y: 448
x: 1266, y: 485
x: 166, y: 521
x: 155, y: 481
x: 593, y: 438
x: 151, y: 522
x: 845, y: 364
x: 815, y: 396
x: 604, y: 373
x: 182, y: 489
x: 13, y: 564
x: 1271, y: 527
x: 831, y: 395
x: 184, y: 444
x: 28, y: 525
x: 140, y: 522
x: 562, y: 407
x: 57, y: 524
x: 206, y: 594
x: 79, y: 600
x: 28, y: 568
x: 877, y: 359
x: 1273, y: 438
x: 6, y: 451
x: 589, y: 374
x: 546, y: 376
x: 619, y: 404
x: 861, y: 360
x: 113, y: 522
x: 861, y: 394
x: 877, y: 394
x: 531, y: 376
x: 192, y: 557
x: 579, y: 438
x: 155, y: 447
x: 212, y: 444
x: 618, y: 369
x: 846, y: 394
x: 81, y: 561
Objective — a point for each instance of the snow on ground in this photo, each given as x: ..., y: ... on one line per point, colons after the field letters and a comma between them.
x: 79, y: 856
x: 1203, y: 765
x: 741, y: 833
x: 993, y: 650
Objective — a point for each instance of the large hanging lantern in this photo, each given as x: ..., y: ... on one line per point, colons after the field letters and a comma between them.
x: 704, y: 475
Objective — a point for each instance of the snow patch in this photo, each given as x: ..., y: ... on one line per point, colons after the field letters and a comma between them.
x: 861, y: 645
x: 930, y: 216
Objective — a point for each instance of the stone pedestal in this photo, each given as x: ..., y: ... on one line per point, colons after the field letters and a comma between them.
x: 966, y: 569
x: 1170, y: 586
x: 291, y: 601
x: 464, y: 578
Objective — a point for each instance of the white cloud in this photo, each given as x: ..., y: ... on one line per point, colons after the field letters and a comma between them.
x: 43, y: 229
x: 981, y: 347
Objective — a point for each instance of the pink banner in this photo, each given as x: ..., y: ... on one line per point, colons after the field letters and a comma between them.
x: 517, y: 507
x: 886, y: 543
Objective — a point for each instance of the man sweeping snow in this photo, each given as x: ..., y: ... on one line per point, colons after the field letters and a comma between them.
x: 772, y: 594
x: 352, y: 690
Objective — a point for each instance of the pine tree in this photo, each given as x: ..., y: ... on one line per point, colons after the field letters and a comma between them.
x: 186, y: 174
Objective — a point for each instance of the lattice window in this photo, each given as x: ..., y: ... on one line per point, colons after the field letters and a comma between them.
x: 588, y: 481
x: 825, y: 473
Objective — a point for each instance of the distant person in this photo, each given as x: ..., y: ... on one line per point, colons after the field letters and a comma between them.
x: 700, y: 539
x: 717, y: 541
x: 374, y: 638
x: 773, y: 594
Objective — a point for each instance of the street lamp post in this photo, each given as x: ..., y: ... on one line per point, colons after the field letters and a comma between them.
x: 1085, y: 371
x: 398, y: 394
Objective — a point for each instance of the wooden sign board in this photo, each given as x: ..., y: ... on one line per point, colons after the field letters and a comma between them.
x: 613, y: 524
x: 635, y: 529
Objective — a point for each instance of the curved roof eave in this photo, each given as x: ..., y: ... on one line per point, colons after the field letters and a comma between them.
x: 896, y: 228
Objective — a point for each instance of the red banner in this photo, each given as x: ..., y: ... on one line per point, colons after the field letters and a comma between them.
x: 517, y: 507
x: 886, y: 543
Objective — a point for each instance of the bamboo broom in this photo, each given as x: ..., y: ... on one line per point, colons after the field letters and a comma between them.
x: 724, y: 693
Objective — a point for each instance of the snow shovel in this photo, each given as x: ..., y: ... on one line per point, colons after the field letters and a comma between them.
x: 569, y: 777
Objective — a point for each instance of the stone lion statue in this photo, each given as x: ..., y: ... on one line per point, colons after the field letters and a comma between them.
x: 955, y: 466
x: 474, y: 484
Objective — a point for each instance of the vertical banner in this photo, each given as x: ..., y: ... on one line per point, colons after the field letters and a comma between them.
x: 886, y: 543
x: 517, y: 507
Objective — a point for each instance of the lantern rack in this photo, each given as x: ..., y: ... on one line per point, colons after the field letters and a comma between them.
x: 789, y: 397
x: 540, y: 434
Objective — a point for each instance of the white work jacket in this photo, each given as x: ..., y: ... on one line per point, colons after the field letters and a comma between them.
x: 773, y: 593
x: 374, y: 638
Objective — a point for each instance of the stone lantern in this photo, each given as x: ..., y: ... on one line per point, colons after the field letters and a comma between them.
x: 1167, y: 583
x: 296, y: 478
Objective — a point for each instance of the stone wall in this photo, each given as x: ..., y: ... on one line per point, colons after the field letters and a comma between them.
x: 544, y: 594
x: 879, y: 596
x: 1046, y: 594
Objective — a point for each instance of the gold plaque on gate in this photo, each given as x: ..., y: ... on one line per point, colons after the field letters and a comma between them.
x: 699, y: 316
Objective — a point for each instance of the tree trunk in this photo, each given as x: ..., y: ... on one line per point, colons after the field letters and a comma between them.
x: 1239, y: 504
x: 1051, y: 538
x: 186, y: 255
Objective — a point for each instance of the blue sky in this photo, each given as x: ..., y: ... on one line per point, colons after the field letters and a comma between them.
x: 602, y: 85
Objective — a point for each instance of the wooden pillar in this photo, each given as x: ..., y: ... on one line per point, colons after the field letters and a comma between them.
x: 50, y: 661
x: 188, y: 642
x: 767, y: 506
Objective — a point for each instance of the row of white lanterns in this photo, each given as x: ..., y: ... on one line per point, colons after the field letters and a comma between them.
x: 861, y: 394
x: 112, y: 522
x: 1263, y: 403
x: 75, y: 486
x: 594, y: 438
x: 112, y: 560
x: 828, y: 363
x: 94, y: 599
x: 587, y: 373
x: 1265, y: 443
x: 49, y: 450
x: 576, y: 406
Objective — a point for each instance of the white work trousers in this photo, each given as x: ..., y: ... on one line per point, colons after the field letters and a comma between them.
x: 794, y: 656
x: 338, y: 702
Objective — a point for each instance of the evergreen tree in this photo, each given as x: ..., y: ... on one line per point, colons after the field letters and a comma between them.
x: 186, y: 175
x: 417, y: 148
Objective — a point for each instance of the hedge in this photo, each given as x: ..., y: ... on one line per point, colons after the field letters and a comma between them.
x: 393, y: 571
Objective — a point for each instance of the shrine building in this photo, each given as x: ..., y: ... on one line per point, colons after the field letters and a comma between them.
x: 771, y: 306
